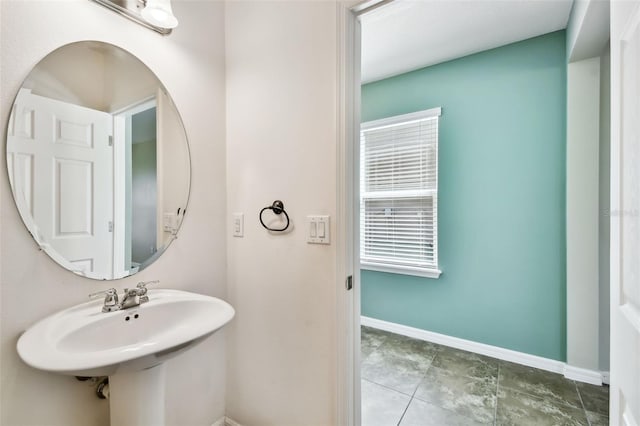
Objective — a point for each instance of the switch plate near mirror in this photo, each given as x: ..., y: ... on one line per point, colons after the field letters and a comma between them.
x: 238, y: 224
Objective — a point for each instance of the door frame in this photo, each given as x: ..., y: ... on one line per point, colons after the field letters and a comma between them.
x: 347, y: 212
x: 121, y: 139
x: 625, y: 18
x: 348, y: 209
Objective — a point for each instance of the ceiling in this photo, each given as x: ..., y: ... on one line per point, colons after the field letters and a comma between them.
x: 406, y: 35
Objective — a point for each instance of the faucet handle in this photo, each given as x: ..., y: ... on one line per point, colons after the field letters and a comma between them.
x: 109, y: 293
x: 142, y: 289
x: 110, y: 299
x: 144, y: 284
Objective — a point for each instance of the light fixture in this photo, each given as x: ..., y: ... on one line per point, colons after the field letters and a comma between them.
x: 153, y: 14
x: 159, y: 13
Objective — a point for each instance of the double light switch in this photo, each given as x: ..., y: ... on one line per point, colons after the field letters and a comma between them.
x: 318, y: 229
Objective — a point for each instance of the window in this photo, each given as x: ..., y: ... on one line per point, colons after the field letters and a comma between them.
x: 399, y: 194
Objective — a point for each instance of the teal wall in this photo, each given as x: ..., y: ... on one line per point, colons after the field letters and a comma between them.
x: 501, y: 198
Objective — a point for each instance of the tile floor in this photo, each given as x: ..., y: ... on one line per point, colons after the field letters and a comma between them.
x: 411, y: 382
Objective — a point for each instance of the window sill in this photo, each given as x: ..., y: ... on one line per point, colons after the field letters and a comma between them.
x: 402, y: 270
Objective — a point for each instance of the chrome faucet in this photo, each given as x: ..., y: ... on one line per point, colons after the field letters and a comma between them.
x: 130, y: 298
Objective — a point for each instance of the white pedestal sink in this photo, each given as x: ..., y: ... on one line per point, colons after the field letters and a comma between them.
x: 129, y: 346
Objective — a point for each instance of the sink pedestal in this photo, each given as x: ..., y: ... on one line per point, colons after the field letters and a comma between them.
x: 137, y: 398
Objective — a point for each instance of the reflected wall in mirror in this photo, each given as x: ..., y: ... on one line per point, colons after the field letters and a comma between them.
x: 98, y: 160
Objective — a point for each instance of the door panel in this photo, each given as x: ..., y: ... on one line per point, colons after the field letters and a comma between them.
x: 74, y: 196
x: 61, y: 167
x: 625, y: 213
x: 74, y: 133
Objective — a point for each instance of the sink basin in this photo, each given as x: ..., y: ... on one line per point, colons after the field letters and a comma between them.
x: 84, y: 341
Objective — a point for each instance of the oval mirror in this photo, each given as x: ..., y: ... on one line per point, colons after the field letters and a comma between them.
x: 98, y: 160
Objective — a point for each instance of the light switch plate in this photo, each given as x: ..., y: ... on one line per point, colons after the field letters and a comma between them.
x: 238, y: 224
x: 318, y: 229
x: 169, y: 222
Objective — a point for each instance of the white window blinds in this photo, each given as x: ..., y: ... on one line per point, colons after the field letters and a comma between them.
x: 399, y: 193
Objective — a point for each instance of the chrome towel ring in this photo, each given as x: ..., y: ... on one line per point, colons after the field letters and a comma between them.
x: 278, y: 208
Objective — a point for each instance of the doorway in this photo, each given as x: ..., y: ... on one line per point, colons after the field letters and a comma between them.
x: 448, y: 271
x: 136, y: 189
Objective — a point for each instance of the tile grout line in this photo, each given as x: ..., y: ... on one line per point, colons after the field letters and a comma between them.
x: 373, y: 350
x: 410, y: 401
x: 386, y: 387
x: 582, y: 403
x: 416, y: 390
x: 376, y: 349
x: 411, y: 397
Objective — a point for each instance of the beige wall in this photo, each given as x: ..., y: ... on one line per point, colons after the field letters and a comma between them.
x: 55, y: 79
x: 106, y: 81
x: 190, y: 63
x: 281, y: 144
x: 281, y: 132
x: 173, y: 165
x: 127, y: 82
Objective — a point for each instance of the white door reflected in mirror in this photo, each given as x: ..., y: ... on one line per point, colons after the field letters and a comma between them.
x: 98, y: 160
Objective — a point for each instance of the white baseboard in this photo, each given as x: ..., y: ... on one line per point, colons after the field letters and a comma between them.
x: 606, y: 378
x: 587, y: 376
x: 231, y: 422
x: 219, y: 422
x: 583, y: 375
x: 225, y: 421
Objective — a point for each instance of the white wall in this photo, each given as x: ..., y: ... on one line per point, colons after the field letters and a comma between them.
x: 190, y: 63
x: 583, y: 138
x: 587, y: 29
x: 587, y: 185
x: 281, y: 144
x: 605, y: 204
